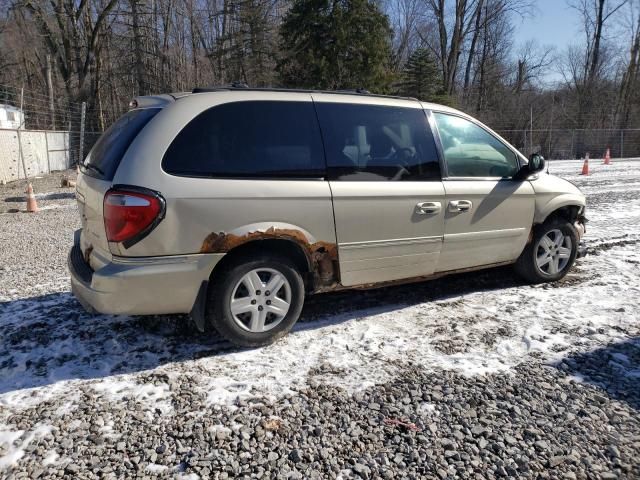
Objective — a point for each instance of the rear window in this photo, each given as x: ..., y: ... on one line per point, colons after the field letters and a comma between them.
x: 249, y: 139
x: 105, y: 156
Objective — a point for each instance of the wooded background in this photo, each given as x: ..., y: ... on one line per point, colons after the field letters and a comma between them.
x: 458, y: 52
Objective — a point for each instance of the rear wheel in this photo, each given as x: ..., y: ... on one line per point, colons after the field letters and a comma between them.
x: 551, y: 253
x: 256, y: 301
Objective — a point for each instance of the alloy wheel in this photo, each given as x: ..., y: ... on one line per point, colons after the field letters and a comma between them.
x: 260, y: 300
x: 553, y: 252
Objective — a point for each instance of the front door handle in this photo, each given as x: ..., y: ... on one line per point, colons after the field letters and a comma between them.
x: 428, y: 208
x: 460, y: 206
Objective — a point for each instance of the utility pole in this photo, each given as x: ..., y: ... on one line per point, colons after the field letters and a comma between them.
x: 82, y: 115
x: 550, y: 129
x: 531, y: 136
x: 50, y: 86
x: 20, y: 152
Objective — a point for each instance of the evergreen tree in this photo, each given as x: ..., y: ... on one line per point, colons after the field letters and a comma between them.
x: 421, y: 78
x: 335, y: 44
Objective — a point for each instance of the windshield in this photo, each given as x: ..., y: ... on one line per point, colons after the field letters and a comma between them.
x: 106, y: 154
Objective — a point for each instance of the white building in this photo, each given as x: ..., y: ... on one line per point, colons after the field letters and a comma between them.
x: 11, y: 117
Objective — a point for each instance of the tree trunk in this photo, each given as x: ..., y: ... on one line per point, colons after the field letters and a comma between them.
x: 141, y: 84
x: 629, y: 82
x: 472, y: 47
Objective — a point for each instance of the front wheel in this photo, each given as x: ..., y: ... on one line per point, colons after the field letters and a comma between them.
x: 256, y: 301
x: 551, y: 253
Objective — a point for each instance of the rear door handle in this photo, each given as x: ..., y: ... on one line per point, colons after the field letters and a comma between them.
x: 428, y: 208
x: 460, y: 206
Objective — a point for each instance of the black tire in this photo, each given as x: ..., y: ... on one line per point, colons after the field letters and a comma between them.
x: 527, y: 266
x: 219, y: 314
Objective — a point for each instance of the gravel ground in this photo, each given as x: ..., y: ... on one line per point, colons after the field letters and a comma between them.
x: 32, y: 257
x: 473, y: 376
x: 47, y: 189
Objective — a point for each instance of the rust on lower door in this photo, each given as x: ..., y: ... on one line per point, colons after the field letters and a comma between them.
x: 321, y: 256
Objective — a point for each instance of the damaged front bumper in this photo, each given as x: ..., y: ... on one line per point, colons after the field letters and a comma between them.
x: 580, y: 226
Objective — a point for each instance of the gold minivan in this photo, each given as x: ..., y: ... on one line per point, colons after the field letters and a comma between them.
x: 232, y: 204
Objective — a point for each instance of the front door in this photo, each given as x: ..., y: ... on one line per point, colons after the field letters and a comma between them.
x: 388, y: 197
x: 488, y: 215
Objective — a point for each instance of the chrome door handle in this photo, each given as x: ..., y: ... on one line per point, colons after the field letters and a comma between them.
x: 428, y: 208
x: 460, y: 206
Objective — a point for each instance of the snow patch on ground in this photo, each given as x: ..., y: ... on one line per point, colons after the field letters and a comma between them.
x: 50, y: 459
x: 155, y: 468
x: 369, y: 348
x: 475, y: 332
x: 13, y: 443
x: 152, y: 395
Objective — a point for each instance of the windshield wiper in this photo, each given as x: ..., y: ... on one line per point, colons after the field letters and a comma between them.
x: 94, y: 168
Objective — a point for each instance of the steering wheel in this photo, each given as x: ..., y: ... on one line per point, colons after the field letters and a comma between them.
x: 404, y: 153
x: 402, y: 171
x: 401, y: 155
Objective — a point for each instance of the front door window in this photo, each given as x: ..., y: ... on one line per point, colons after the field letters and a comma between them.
x: 471, y: 151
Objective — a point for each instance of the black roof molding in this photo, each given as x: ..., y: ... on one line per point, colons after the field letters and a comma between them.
x: 238, y: 86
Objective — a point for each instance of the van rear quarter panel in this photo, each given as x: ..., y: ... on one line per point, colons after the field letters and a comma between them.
x: 199, y: 207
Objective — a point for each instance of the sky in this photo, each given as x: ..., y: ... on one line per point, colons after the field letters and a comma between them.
x: 553, y: 23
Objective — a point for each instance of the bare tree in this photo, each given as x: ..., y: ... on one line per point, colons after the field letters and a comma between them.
x: 405, y: 18
x: 488, y: 12
x: 532, y: 61
x: 460, y: 26
x: 595, y: 14
x: 452, y: 29
x: 631, y: 77
x: 72, y: 33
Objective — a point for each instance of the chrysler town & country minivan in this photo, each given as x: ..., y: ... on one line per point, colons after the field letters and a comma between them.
x: 232, y: 204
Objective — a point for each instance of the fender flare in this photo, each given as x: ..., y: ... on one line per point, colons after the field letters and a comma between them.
x: 555, y: 203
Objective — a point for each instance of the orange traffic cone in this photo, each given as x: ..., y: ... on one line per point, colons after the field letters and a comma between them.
x: 607, y: 157
x: 32, y: 205
x: 585, y: 167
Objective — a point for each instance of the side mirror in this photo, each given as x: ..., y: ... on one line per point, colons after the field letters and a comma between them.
x: 536, y: 164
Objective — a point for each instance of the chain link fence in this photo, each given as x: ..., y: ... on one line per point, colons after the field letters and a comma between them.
x: 40, y: 134
x: 557, y: 144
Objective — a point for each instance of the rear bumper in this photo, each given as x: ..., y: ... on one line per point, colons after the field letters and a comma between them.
x: 140, y: 286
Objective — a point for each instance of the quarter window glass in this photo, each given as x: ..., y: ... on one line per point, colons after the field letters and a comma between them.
x: 377, y: 143
x: 471, y: 151
x: 249, y: 139
x: 105, y: 156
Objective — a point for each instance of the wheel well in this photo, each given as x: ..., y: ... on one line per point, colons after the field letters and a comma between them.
x: 568, y: 213
x: 277, y: 247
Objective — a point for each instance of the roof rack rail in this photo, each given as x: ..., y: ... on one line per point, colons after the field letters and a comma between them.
x: 244, y: 87
x: 360, y: 91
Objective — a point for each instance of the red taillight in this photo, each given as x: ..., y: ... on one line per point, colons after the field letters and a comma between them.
x: 128, y: 214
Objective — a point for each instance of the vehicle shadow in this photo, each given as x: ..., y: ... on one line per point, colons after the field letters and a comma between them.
x: 47, y: 196
x: 615, y: 368
x: 50, y: 338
